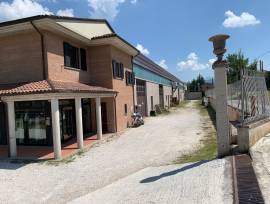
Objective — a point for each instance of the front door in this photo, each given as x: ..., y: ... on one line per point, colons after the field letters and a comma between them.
x: 68, y: 120
x: 104, y: 117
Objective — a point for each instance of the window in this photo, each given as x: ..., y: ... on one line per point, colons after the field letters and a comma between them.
x: 74, y: 57
x: 126, y: 109
x: 118, y: 70
x: 130, y: 78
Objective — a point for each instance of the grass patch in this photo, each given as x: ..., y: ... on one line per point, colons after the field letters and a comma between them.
x: 66, y: 160
x: 208, y: 148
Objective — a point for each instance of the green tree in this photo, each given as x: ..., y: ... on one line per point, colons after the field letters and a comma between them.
x: 237, y: 62
x: 195, y: 84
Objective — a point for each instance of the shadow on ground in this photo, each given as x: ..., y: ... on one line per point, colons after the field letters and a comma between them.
x: 174, y: 172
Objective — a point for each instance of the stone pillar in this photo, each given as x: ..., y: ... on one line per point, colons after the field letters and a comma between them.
x: 11, y: 129
x: 98, y: 117
x: 79, y: 123
x: 222, y: 122
x: 56, y: 128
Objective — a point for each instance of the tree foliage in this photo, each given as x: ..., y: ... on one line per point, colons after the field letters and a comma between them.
x: 237, y: 62
x: 195, y: 84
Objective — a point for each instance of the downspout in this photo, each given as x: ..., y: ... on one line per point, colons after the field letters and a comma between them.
x: 134, y: 91
x: 115, y: 115
x: 42, y: 49
x: 133, y: 85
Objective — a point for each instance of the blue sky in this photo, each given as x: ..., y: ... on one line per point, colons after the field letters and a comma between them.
x: 173, y: 33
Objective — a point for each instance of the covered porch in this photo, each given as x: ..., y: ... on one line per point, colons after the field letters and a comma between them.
x: 40, y: 153
x: 59, y: 116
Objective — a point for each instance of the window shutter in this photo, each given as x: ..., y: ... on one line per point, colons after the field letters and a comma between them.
x: 133, y: 78
x: 66, y: 54
x: 114, y: 69
x: 127, y: 77
x: 121, y: 71
x: 83, y: 59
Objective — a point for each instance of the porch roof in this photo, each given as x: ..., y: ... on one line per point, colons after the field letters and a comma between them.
x: 50, y: 86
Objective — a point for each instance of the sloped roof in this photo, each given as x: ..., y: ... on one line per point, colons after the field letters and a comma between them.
x: 50, y: 86
x: 54, y: 17
x: 148, y: 64
x: 86, y: 30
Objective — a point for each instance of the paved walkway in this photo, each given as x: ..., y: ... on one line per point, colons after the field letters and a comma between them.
x: 159, y: 142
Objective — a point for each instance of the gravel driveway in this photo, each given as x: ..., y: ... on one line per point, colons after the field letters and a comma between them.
x: 171, y: 184
x: 159, y: 142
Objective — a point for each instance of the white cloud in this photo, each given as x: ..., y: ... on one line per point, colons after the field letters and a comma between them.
x: 192, y: 63
x: 142, y: 49
x: 104, y: 8
x: 20, y: 9
x: 107, y: 9
x: 66, y: 12
x: 234, y: 21
x: 163, y: 64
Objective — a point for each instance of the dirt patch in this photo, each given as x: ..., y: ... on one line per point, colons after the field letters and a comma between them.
x: 208, y: 147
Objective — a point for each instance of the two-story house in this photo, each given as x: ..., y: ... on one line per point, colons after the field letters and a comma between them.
x: 62, y: 78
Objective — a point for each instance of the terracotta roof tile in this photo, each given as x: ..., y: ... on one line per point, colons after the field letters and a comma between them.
x: 49, y: 86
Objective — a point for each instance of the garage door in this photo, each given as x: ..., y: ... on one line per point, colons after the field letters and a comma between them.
x: 141, y: 96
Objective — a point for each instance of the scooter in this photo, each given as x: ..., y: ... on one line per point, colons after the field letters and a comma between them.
x: 137, y: 118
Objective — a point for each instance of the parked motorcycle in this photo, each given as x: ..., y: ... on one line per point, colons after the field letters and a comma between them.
x: 137, y: 118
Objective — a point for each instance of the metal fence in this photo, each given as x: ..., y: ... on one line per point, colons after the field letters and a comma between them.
x: 249, y: 95
x: 254, y: 97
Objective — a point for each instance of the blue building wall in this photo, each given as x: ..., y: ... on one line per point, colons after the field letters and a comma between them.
x: 145, y: 74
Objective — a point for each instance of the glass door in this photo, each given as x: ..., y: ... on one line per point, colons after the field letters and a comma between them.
x: 32, y: 123
x: 68, y: 121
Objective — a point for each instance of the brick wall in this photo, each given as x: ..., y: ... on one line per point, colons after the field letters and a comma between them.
x: 55, y: 60
x: 99, y: 73
x: 125, y: 95
x: 20, y: 58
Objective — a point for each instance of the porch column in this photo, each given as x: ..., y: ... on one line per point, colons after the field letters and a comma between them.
x: 79, y: 124
x: 56, y: 128
x: 11, y: 129
x: 98, y: 116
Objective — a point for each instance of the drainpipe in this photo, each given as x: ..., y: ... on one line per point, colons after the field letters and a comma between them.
x: 42, y: 50
x: 115, y: 115
x: 133, y: 86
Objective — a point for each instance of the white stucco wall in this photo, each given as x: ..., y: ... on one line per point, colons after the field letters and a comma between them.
x: 167, y: 90
x: 152, y: 89
x: 181, y: 95
x: 176, y: 94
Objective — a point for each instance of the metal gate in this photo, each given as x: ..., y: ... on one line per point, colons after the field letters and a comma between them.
x: 141, y: 96
x: 250, y: 96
